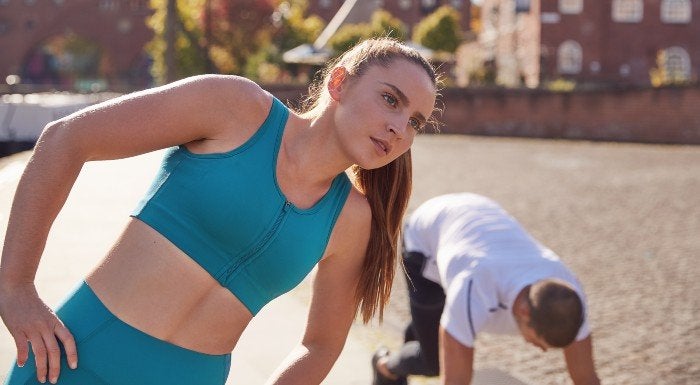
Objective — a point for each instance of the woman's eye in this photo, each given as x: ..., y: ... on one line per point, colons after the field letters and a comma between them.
x: 390, y: 99
x: 415, y: 124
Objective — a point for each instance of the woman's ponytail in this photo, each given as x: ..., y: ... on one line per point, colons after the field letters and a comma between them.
x: 387, y: 190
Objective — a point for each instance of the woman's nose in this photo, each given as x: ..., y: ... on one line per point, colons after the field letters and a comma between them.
x: 398, y: 127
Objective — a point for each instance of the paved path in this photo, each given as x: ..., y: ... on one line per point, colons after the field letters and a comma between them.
x: 625, y: 217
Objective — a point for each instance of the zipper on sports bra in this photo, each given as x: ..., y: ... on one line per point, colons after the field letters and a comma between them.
x: 263, y: 242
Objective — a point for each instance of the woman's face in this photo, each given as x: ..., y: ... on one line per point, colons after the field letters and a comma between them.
x: 380, y: 112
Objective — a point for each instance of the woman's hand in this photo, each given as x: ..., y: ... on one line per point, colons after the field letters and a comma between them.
x: 29, y: 320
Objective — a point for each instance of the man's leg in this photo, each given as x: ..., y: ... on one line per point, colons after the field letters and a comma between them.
x: 420, y: 354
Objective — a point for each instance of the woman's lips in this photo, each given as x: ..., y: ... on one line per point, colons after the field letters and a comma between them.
x: 381, y: 146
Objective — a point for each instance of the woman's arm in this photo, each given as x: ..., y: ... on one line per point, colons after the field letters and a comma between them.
x: 333, y: 305
x: 178, y: 113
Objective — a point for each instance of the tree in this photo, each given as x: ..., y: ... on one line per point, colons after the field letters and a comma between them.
x: 292, y: 28
x: 382, y: 24
x: 239, y: 29
x: 440, y: 30
x: 188, y: 54
x: 244, y: 37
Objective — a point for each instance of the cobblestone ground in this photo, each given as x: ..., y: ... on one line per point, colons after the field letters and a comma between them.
x: 624, y: 217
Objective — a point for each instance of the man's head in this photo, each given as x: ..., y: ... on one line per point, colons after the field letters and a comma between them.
x: 549, y: 313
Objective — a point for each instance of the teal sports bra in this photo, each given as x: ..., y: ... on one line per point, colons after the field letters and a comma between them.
x: 227, y: 212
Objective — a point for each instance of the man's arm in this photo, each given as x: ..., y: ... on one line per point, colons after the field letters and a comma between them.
x: 456, y: 360
x: 579, y: 362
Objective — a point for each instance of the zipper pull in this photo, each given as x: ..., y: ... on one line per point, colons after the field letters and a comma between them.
x: 286, y: 206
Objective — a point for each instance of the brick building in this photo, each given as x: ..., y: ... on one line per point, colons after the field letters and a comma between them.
x: 42, y: 40
x: 617, y: 41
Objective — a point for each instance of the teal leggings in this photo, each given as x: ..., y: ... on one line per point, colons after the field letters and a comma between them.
x: 112, y: 352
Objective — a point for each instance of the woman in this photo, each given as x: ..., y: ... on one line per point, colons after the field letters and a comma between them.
x: 249, y: 198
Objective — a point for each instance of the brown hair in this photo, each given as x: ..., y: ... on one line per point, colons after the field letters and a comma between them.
x: 556, y: 311
x: 387, y: 188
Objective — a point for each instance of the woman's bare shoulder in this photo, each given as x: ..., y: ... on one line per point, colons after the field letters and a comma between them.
x: 235, y: 107
x: 233, y: 95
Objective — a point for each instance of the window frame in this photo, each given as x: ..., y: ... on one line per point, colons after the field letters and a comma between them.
x: 627, y: 11
x: 671, y: 9
x: 570, y: 7
x: 569, y: 58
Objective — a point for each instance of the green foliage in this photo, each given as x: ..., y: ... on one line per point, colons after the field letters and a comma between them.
x: 188, y: 55
x: 237, y: 32
x: 292, y: 27
x: 440, y: 30
x: 561, y: 85
x: 349, y: 35
x: 382, y: 24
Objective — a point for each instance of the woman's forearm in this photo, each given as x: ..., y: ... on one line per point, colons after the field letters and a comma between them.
x: 41, y: 192
x: 305, y: 365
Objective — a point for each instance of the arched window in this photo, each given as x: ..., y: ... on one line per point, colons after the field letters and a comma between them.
x: 570, y: 7
x: 627, y: 11
x: 676, y: 62
x: 676, y: 11
x: 569, y: 57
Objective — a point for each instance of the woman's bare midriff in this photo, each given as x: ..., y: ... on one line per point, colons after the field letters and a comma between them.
x: 150, y: 284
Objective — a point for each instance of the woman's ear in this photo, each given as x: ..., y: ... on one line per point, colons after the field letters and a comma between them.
x: 336, y: 82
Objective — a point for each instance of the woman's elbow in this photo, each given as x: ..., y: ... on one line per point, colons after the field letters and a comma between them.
x: 57, y: 139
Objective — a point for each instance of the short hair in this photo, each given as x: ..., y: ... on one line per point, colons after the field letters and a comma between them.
x: 556, y: 311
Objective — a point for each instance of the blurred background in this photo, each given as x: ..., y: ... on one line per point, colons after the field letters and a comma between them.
x: 563, y: 69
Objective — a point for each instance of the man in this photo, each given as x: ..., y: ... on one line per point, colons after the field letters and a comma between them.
x: 472, y: 268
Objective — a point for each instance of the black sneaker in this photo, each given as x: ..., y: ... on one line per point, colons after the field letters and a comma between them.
x: 378, y: 378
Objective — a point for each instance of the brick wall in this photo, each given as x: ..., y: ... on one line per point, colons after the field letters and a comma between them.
x: 664, y: 115
x: 647, y: 115
x: 117, y: 26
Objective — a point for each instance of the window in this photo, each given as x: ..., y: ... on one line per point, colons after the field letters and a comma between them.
x: 570, y: 7
x: 4, y: 2
x: 522, y: 6
x: 4, y: 27
x: 428, y: 5
x: 676, y: 62
x: 405, y: 4
x: 569, y: 57
x: 456, y: 4
x: 108, y: 5
x: 676, y: 11
x: 325, y: 3
x: 627, y: 11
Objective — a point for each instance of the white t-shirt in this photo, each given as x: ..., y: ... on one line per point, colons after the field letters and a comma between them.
x: 482, y: 257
